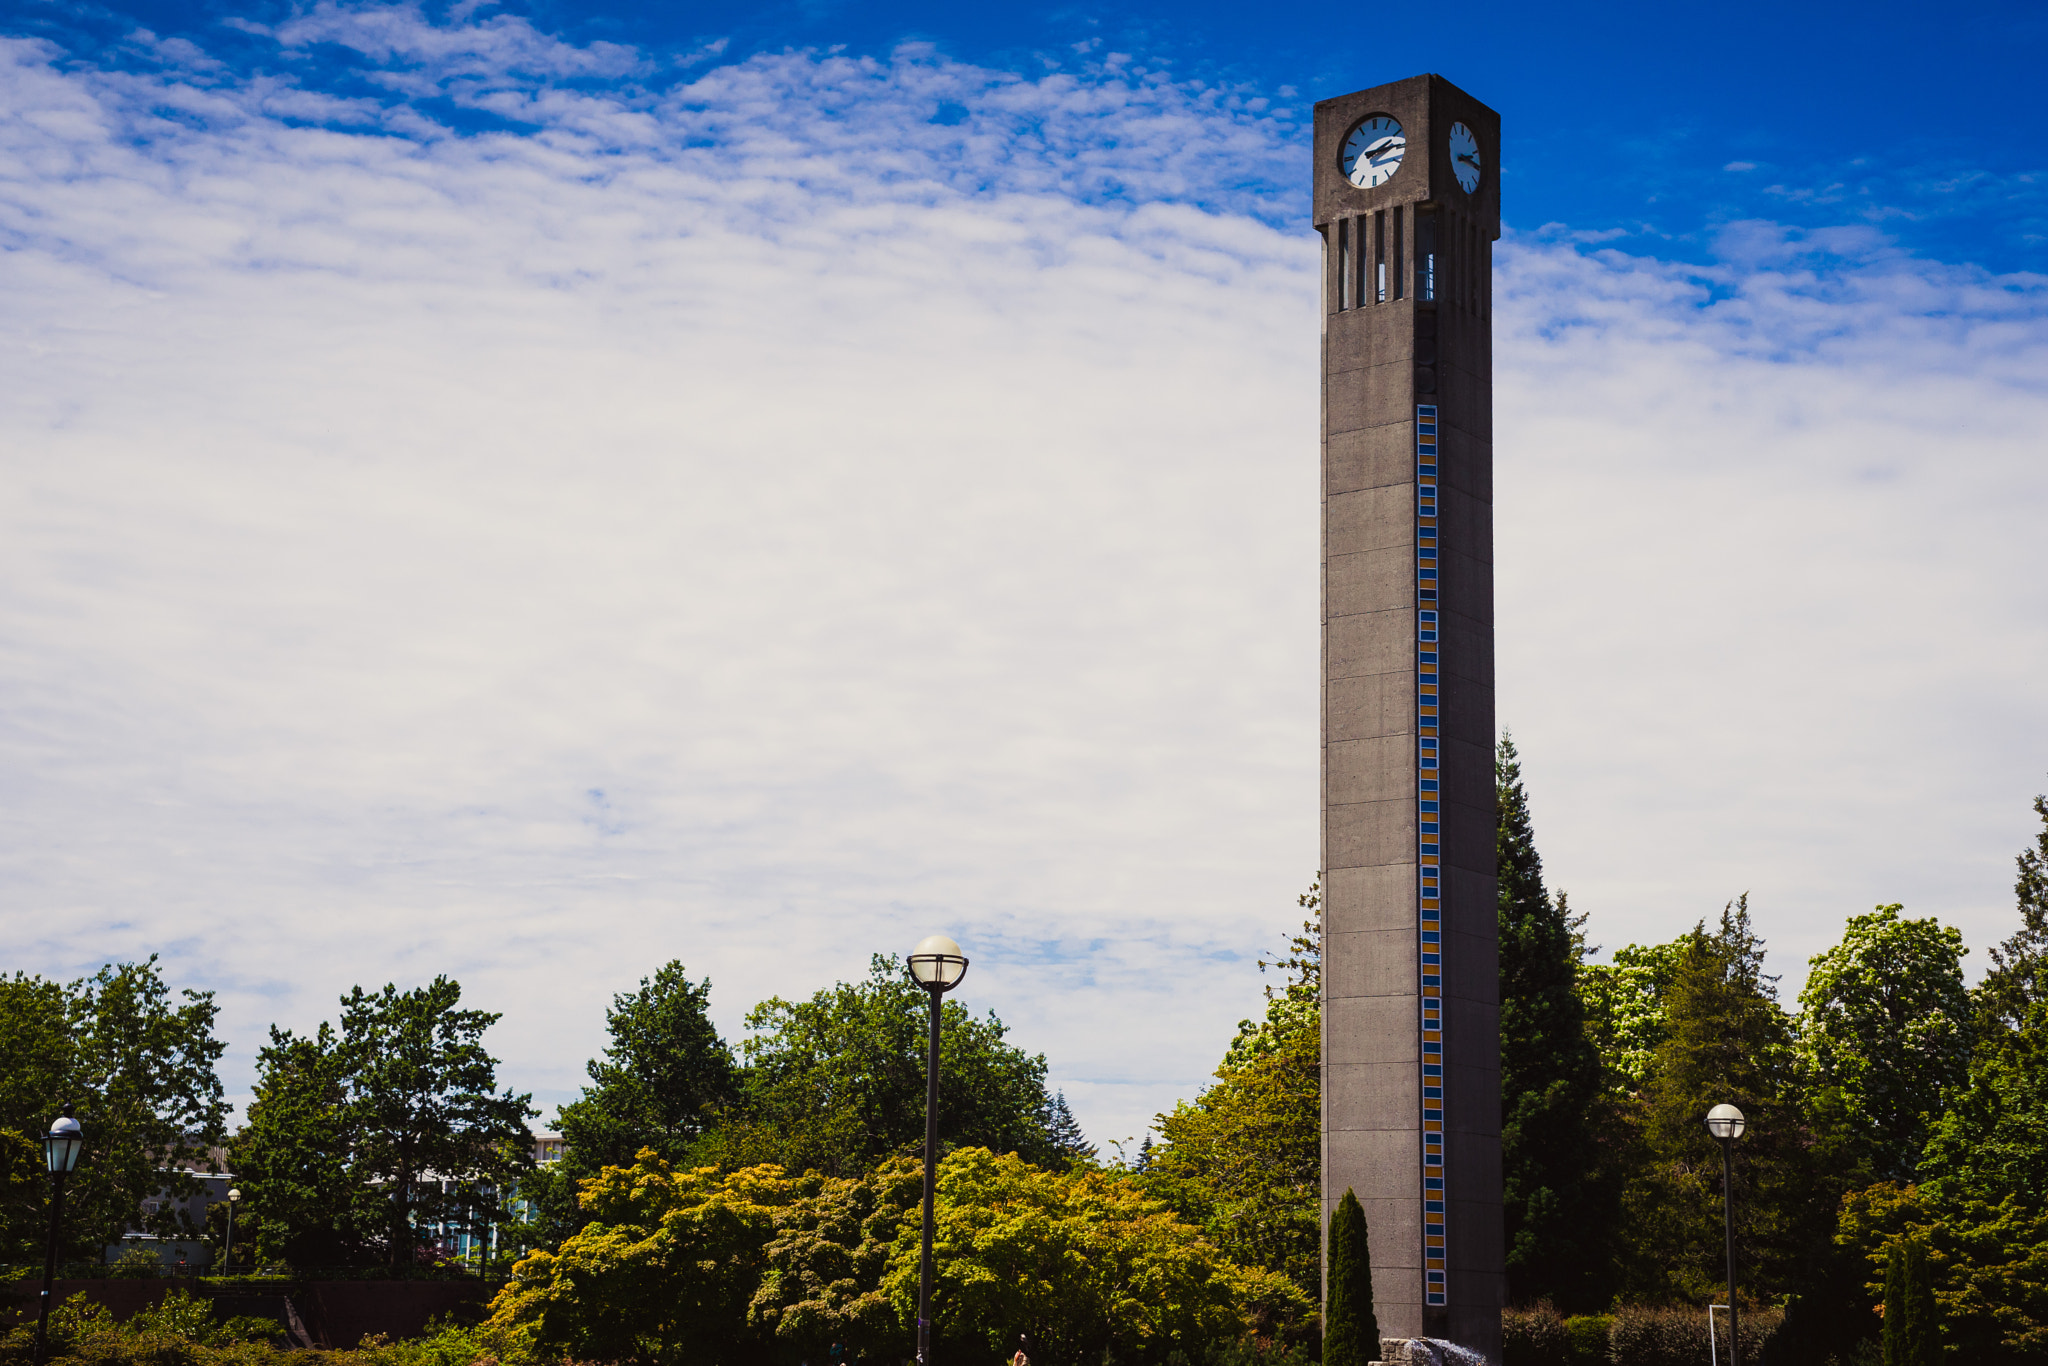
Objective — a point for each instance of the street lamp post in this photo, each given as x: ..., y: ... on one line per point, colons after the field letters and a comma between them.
x: 1726, y: 1123
x: 61, y: 1147
x: 234, y: 1197
x: 938, y: 966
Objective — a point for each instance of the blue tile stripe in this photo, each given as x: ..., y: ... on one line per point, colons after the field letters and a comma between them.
x: 1428, y: 854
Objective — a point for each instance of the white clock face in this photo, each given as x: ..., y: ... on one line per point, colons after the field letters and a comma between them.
x: 1373, y: 152
x: 1465, y: 157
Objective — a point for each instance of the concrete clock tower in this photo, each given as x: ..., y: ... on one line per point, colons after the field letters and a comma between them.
x: 1407, y: 199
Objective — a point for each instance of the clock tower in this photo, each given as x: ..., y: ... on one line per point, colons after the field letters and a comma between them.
x: 1407, y: 200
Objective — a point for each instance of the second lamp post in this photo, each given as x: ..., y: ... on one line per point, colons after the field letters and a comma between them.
x: 1726, y: 1123
x: 61, y: 1147
x: 938, y: 966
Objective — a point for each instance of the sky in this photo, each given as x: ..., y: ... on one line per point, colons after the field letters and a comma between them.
x: 531, y: 492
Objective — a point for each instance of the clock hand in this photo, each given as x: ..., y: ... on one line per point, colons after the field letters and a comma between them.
x: 1471, y: 161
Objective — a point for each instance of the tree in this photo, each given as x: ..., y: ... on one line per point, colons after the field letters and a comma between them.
x: 305, y: 1205
x: 837, y: 1082
x: 137, y: 1065
x: 1351, y: 1330
x: 1624, y: 1004
x: 1985, y: 1267
x: 2018, y: 978
x: 362, y: 1137
x: 1244, y: 1159
x: 1911, y: 1318
x: 1885, y: 1020
x: 662, y: 1274
x: 1727, y: 1040
x: 1084, y: 1265
x: 35, y: 1077
x: 1559, y: 1206
x: 431, y: 1132
x: 1064, y: 1135
x: 665, y: 1082
x: 1993, y: 1140
x: 757, y: 1265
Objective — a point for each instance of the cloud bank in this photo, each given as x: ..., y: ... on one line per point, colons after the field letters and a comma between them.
x: 544, y: 509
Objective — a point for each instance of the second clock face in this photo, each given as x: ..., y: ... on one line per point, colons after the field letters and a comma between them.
x: 1373, y: 152
x: 1465, y: 157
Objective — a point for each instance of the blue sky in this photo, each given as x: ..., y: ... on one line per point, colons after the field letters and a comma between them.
x: 529, y: 493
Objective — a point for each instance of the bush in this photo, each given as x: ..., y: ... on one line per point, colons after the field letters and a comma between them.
x: 138, y: 1263
x: 1535, y: 1336
x: 1678, y: 1336
x: 1588, y: 1339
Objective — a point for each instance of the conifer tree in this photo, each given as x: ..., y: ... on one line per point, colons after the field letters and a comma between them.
x: 1351, y: 1331
x: 1911, y: 1318
x: 1560, y: 1208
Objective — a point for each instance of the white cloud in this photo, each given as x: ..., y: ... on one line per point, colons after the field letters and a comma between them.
x: 750, y: 522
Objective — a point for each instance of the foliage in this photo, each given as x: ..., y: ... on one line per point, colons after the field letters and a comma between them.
x: 182, y: 1332
x: 1677, y: 1336
x: 1244, y: 1159
x: 1624, y: 1003
x: 837, y: 1082
x: 822, y: 1286
x: 1993, y: 1140
x: 360, y: 1137
x: 1885, y: 1020
x: 665, y: 1081
x: 2018, y: 979
x: 1535, y: 1336
x: 664, y: 1272
x: 694, y: 1266
x: 1351, y: 1330
x: 1560, y: 1199
x: 1987, y: 1265
x: 1084, y: 1265
x: 137, y: 1065
x: 292, y: 1156
x: 1726, y: 1040
x: 1912, y: 1322
x: 662, y: 1083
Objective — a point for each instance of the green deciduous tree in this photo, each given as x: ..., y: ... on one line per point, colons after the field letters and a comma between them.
x: 1885, y: 1020
x: 837, y: 1082
x: 1085, y: 1266
x: 663, y: 1273
x: 137, y: 1063
x: 361, y: 1137
x: 1244, y: 1159
x: 756, y: 1265
x: 293, y: 1157
x: 666, y: 1081
x: 1351, y: 1330
x: 1624, y: 1001
x: 1986, y: 1266
x: 1560, y: 1199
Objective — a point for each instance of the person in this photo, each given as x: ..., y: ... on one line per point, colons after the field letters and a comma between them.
x: 1020, y: 1359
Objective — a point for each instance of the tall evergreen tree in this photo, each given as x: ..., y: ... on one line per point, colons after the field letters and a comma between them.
x: 1727, y: 1040
x: 1560, y: 1206
x: 2018, y: 977
x: 1351, y: 1331
x: 1912, y: 1320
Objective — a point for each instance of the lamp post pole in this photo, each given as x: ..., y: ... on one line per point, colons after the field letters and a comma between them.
x: 234, y: 1197
x: 61, y: 1147
x: 1726, y: 1124
x: 937, y: 966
